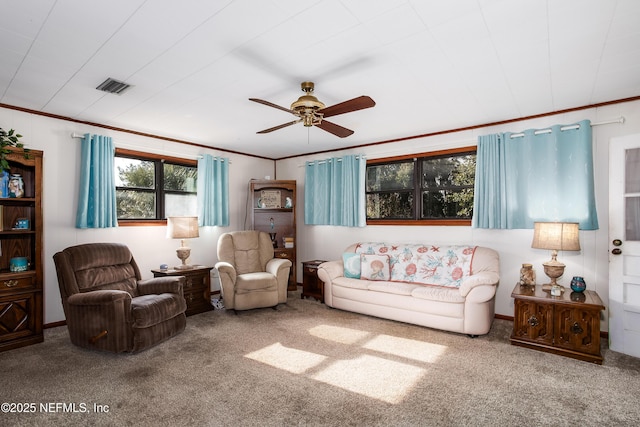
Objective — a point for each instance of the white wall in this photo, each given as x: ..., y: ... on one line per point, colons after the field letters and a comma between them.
x: 514, y: 246
x: 151, y: 248
x: 148, y: 244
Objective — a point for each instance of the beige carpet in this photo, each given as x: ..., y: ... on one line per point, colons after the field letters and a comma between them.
x: 307, y: 364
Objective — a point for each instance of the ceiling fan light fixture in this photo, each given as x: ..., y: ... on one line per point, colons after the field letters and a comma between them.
x: 308, y: 120
x: 307, y: 101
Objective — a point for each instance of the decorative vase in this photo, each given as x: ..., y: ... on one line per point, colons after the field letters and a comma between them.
x: 527, y: 275
x: 578, y: 284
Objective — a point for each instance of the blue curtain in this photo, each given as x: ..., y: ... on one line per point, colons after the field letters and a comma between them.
x: 97, y: 195
x: 334, y: 192
x: 535, y: 176
x: 213, y: 191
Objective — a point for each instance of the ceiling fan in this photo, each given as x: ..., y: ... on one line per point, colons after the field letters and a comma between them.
x: 312, y: 112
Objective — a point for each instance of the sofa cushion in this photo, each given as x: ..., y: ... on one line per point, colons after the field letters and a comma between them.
x: 375, y: 267
x: 351, y: 263
x: 438, y: 293
x: 392, y: 287
x: 350, y: 283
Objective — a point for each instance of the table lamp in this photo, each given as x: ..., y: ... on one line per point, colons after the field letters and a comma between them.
x: 555, y: 236
x: 182, y: 227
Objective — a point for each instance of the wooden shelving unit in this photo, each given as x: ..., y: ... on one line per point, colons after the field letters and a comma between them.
x: 273, y: 210
x: 21, y: 292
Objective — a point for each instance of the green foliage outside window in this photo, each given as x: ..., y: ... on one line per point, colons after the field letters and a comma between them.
x: 443, y: 184
x: 153, y: 189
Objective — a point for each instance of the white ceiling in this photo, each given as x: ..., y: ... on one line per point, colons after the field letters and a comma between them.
x: 429, y: 65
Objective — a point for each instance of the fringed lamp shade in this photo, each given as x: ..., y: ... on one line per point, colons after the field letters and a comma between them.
x: 182, y: 227
x: 555, y: 236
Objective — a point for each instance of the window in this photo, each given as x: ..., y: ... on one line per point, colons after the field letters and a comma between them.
x: 434, y: 188
x: 151, y: 187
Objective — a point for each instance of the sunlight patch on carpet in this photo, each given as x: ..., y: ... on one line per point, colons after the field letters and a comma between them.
x: 338, y: 334
x: 285, y: 358
x: 374, y: 377
x: 404, y: 347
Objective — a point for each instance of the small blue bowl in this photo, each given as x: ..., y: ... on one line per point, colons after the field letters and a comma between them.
x: 19, y: 264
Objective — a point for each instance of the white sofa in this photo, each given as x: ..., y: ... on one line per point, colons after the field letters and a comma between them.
x: 451, y: 288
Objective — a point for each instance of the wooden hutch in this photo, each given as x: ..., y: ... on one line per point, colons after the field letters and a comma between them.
x: 273, y: 210
x: 21, y: 267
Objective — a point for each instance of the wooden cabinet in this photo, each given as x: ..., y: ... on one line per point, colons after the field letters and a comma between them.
x: 568, y: 325
x: 273, y: 210
x: 312, y: 286
x: 21, y: 268
x: 197, y: 287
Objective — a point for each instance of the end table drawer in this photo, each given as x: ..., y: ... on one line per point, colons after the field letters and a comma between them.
x: 12, y: 284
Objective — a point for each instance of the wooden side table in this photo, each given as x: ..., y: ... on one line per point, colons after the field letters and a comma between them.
x: 568, y: 325
x: 197, y: 287
x: 311, y: 285
x: 290, y: 254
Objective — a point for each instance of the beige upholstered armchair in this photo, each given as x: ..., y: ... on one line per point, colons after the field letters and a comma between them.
x: 250, y: 276
x: 106, y: 304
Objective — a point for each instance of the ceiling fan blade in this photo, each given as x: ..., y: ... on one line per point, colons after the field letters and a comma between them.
x: 271, y: 104
x: 355, y: 104
x: 335, y: 129
x: 284, y: 125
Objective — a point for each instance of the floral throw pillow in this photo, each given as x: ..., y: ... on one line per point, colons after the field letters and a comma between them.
x: 351, y: 261
x: 375, y: 267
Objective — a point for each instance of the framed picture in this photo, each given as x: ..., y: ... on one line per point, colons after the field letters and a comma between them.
x: 270, y: 199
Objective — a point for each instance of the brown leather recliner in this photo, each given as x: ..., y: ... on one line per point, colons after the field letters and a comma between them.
x: 108, y: 306
x: 250, y: 276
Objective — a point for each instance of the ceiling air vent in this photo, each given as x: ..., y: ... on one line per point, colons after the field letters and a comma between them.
x: 113, y: 86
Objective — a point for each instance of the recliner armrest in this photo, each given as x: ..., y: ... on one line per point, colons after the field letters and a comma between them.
x: 276, y: 264
x: 224, y: 268
x: 102, y: 297
x: 161, y: 285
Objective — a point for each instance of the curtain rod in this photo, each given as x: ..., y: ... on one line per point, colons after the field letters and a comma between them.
x: 198, y: 156
x: 620, y: 119
x: 321, y: 162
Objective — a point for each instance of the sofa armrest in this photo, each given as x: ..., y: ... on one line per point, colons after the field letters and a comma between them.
x: 330, y: 270
x: 161, y: 285
x: 103, y: 297
x: 484, y: 278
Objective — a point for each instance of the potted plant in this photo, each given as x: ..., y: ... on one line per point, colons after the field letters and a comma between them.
x: 10, y: 139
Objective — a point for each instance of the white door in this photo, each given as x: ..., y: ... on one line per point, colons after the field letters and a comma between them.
x: 624, y: 245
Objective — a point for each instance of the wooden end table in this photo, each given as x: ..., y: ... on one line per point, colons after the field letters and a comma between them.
x: 568, y: 325
x: 197, y: 287
x: 311, y: 285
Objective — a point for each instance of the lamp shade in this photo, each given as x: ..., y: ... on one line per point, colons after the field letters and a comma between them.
x: 559, y: 236
x: 182, y: 227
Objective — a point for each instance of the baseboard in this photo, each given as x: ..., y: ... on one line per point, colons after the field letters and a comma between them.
x: 55, y: 324
x: 603, y: 334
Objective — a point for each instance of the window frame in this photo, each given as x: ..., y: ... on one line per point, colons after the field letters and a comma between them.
x: 417, y: 188
x: 158, y: 161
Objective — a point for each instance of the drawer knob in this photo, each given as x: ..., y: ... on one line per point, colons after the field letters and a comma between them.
x: 10, y: 283
x: 533, y: 321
